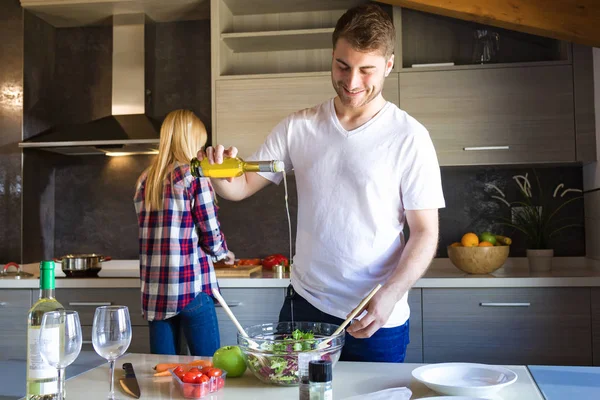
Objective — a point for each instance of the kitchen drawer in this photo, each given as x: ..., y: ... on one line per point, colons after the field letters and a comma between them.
x: 414, y: 351
x: 508, y: 326
x: 140, y: 339
x: 14, y: 307
x: 251, y: 306
x: 85, y: 302
x: 596, y: 324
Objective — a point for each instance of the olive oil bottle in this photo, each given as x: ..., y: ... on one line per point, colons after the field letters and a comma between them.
x: 232, y: 167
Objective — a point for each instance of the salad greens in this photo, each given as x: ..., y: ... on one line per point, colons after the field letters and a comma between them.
x: 281, y: 364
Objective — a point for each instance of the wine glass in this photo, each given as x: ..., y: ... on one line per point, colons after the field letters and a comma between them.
x: 111, y: 336
x: 60, y: 342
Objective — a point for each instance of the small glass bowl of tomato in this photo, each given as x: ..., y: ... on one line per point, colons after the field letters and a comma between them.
x: 195, y: 382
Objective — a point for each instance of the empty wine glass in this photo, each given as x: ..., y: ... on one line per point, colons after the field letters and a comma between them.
x: 60, y: 342
x: 111, y: 336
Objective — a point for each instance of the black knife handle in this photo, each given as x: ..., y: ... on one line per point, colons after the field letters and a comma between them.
x: 129, y: 373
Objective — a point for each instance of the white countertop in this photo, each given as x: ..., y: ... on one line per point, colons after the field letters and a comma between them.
x: 566, y: 272
x: 349, y: 379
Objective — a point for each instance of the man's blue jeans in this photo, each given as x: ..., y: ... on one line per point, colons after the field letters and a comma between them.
x: 198, y: 321
x: 386, y: 345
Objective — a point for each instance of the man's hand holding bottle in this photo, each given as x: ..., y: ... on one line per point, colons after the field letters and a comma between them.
x: 215, y: 155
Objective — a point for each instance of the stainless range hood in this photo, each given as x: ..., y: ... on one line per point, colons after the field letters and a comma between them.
x: 128, y: 130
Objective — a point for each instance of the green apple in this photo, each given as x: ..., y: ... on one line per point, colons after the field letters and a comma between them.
x: 230, y: 359
x: 487, y: 237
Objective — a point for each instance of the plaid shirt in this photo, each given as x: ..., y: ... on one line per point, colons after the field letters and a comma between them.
x: 177, y: 243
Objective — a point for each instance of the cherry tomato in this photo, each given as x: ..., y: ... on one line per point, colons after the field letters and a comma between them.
x: 194, y: 370
x: 212, y: 371
x: 189, y: 377
x: 220, y: 383
x: 178, y: 370
x: 201, y: 378
x: 200, y: 391
x: 188, y: 391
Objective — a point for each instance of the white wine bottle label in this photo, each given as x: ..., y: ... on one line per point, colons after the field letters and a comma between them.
x: 38, y: 368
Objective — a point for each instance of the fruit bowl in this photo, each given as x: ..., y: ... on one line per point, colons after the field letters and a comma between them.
x: 272, y: 354
x: 478, y: 260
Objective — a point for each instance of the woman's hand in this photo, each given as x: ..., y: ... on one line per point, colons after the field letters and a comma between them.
x: 230, y: 259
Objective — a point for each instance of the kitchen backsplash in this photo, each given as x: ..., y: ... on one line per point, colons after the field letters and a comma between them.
x: 93, y: 209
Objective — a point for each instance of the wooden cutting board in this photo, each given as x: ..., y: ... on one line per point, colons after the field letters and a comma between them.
x: 242, y: 271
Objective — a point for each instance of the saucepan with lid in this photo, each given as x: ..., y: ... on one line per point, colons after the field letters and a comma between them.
x: 12, y: 274
x: 82, y: 265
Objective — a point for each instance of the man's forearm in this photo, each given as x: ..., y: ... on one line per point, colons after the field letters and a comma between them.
x: 233, y: 191
x: 416, y: 257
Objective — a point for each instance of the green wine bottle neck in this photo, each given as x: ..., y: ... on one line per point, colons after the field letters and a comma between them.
x: 47, y: 283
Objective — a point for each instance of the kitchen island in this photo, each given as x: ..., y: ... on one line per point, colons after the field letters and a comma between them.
x: 349, y: 379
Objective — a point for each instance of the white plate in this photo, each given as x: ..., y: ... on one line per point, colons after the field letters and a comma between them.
x: 452, y: 398
x: 464, y: 379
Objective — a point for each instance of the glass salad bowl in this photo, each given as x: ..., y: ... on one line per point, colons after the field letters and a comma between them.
x: 271, y: 350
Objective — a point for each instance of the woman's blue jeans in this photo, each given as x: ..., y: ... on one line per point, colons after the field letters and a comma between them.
x: 386, y: 345
x: 197, y: 321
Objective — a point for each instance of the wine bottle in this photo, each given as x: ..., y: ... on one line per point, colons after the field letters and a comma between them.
x: 42, y: 379
x: 232, y: 167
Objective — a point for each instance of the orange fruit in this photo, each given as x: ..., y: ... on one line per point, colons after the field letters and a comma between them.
x: 456, y: 244
x: 485, y: 244
x: 469, y: 240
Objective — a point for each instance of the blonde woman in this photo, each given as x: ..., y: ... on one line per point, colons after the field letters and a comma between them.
x: 179, y: 237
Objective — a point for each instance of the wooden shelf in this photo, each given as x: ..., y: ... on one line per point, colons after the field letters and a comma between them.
x: 485, y: 66
x: 298, y: 39
x: 267, y: 76
x: 247, y: 7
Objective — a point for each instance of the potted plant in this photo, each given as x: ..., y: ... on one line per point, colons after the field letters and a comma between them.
x: 537, y: 218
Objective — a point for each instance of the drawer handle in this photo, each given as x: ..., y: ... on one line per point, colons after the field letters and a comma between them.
x: 232, y: 304
x: 90, y: 303
x: 483, y: 148
x: 504, y: 304
x: 3, y: 304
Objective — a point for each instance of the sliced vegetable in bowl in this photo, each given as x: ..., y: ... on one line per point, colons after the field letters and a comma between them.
x: 275, y: 360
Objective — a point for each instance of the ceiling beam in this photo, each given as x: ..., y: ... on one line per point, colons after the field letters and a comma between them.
x: 576, y: 21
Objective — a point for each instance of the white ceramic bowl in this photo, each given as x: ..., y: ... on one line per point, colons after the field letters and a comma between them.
x: 464, y: 379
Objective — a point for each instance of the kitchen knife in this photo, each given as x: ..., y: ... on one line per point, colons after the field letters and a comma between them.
x: 129, y: 382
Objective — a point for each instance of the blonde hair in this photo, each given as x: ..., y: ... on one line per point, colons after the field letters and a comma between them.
x: 367, y: 27
x: 182, y: 134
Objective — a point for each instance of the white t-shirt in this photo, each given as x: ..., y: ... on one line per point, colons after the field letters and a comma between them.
x: 353, y: 190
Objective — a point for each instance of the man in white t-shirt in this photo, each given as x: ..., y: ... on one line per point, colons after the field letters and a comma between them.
x: 363, y: 169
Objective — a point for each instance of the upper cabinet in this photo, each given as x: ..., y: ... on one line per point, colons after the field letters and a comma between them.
x: 495, y: 116
x: 264, y: 37
x: 432, y: 39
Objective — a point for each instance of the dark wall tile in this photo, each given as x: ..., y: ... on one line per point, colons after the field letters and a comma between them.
x: 82, y: 83
x: 94, y: 205
x: 11, y: 114
x: 470, y: 207
x: 38, y: 75
x: 38, y: 204
x: 180, y: 68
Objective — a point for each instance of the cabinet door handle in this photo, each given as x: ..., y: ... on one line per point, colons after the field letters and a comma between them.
x: 90, y: 303
x: 3, y: 304
x: 86, y: 342
x: 483, y: 148
x: 232, y: 304
x: 504, y: 304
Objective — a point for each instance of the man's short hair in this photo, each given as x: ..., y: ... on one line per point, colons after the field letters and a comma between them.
x: 367, y: 28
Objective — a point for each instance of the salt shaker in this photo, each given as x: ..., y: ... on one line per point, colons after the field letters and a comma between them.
x: 320, y: 380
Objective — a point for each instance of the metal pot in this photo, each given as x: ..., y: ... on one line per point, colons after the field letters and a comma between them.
x: 82, y: 265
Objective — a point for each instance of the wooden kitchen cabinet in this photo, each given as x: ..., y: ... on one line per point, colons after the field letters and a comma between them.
x: 508, y: 326
x: 596, y: 325
x: 14, y: 306
x: 251, y: 306
x: 248, y: 109
x: 495, y: 115
x: 85, y: 302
